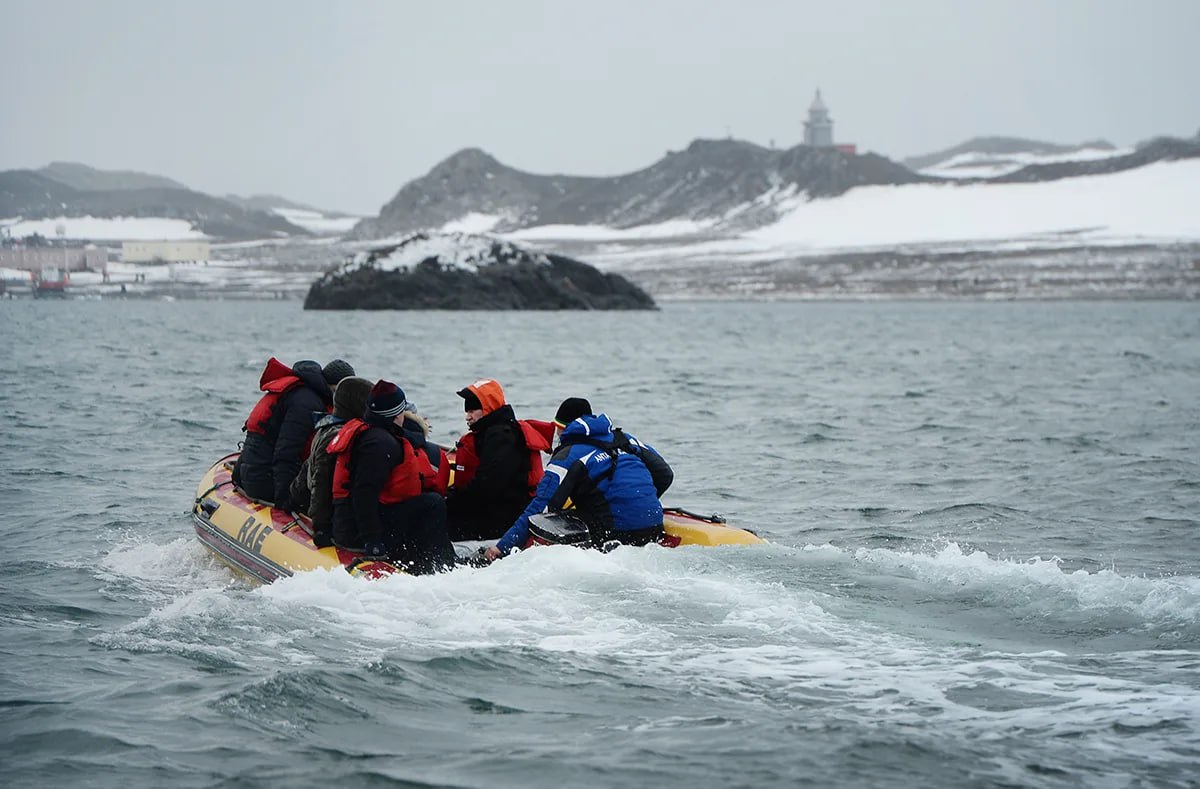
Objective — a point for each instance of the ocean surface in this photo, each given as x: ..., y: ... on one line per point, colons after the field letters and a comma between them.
x: 984, y: 567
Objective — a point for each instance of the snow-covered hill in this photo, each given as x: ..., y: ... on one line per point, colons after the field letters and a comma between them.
x: 977, y: 164
x: 1152, y: 203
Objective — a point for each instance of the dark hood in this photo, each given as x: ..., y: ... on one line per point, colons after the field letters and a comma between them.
x: 310, y: 373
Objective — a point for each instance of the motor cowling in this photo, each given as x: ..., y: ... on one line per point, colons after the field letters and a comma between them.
x: 558, y: 529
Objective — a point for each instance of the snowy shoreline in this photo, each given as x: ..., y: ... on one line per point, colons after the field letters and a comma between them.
x: 1012, y: 270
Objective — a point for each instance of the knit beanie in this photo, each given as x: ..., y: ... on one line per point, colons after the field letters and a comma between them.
x: 571, y: 409
x: 336, y: 370
x: 350, y: 397
x: 386, y: 400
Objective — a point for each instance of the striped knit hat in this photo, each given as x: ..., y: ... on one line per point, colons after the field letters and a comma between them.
x: 386, y: 400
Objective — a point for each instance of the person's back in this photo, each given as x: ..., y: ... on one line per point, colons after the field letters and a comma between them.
x: 613, y: 481
x: 612, y: 485
x: 497, y: 464
x: 314, y: 483
x: 378, y: 506
x: 279, y: 429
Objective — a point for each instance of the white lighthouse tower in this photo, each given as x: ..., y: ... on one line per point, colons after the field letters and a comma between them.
x: 818, y: 129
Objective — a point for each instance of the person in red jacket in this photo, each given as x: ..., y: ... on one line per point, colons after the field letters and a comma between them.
x: 280, y: 427
x: 379, y: 507
x: 498, y: 464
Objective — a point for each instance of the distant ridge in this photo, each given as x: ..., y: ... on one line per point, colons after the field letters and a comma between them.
x: 732, y: 183
x: 1001, y: 146
x: 1158, y: 150
x: 270, y: 202
x: 89, y: 179
x: 31, y: 194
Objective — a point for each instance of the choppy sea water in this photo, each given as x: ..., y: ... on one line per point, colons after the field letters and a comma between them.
x: 983, y: 568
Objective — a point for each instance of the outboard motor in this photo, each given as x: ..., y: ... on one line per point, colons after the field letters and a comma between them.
x: 558, y: 529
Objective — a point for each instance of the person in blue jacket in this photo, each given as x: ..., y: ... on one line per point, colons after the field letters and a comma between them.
x: 613, y: 479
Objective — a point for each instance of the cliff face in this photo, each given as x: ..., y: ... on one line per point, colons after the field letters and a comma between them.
x: 455, y: 271
x: 722, y: 181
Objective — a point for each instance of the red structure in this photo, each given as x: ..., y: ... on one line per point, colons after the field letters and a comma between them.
x: 51, y: 282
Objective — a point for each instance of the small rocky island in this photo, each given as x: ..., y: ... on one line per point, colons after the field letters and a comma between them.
x: 459, y: 271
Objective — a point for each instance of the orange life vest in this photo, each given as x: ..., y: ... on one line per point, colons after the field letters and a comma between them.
x: 403, y: 483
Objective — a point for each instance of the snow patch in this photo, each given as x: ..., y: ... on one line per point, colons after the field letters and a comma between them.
x: 473, y: 222
x: 91, y: 228
x: 453, y: 251
x: 670, y: 229
x: 976, y: 164
x: 1156, y: 201
x: 316, y: 222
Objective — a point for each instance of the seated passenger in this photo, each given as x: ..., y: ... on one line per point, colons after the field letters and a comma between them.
x: 498, y: 464
x: 281, y: 425
x: 613, y: 480
x: 312, y: 490
x: 378, y: 506
x: 435, y: 472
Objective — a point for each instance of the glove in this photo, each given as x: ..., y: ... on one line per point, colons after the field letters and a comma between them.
x: 322, y: 539
x: 375, y: 550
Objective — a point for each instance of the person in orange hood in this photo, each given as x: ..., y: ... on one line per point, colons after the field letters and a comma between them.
x: 498, y: 464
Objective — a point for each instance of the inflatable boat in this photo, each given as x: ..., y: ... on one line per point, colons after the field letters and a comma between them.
x: 267, y: 543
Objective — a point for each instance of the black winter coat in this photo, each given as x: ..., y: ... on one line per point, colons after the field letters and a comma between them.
x: 359, y: 518
x: 269, y: 462
x: 499, y: 491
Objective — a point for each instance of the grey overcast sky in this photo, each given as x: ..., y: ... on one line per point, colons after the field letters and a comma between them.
x: 340, y: 102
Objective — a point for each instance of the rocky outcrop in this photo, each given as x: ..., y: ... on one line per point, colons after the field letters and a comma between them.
x: 724, y: 182
x: 457, y: 271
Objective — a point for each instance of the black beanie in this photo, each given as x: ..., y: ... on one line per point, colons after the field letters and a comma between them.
x: 571, y: 409
x: 350, y: 397
x: 336, y: 370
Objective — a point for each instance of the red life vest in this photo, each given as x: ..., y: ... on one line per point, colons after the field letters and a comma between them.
x: 404, y: 482
x: 277, y: 378
x: 536, y: 434
x: 433, y: 479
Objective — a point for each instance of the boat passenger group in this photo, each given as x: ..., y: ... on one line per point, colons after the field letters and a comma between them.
x: 356, y: 457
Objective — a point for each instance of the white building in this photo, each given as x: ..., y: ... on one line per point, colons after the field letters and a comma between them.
x: 164, y: 251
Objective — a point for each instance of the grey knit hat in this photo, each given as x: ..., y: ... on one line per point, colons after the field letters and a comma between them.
x: 350, y: 397
x: 336, y: 371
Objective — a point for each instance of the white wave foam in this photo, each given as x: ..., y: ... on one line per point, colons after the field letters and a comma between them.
x: 1169, y: 599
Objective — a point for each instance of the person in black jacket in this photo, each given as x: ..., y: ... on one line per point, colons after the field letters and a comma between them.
x: 378, y: 505
x: 497, y: 464
x: 279, y: 428
x: 312, y: 490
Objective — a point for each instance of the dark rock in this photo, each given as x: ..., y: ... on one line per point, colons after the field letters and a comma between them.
x: 456, y: 271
